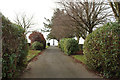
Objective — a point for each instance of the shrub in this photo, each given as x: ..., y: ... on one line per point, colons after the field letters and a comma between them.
x: 37, y: 46
x: 102, y: 50
x: 14, y: 50
x: 37, y: 36
x: 69, y: 46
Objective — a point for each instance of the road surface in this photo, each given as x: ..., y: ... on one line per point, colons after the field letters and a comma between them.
x: 52, y: 63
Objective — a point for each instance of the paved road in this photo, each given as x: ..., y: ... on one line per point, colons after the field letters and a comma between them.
x: 52, y: 63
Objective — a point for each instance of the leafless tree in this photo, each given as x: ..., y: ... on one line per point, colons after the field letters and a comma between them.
x: 86, y: 15
x: 24, y: 21
x: 115, y: 5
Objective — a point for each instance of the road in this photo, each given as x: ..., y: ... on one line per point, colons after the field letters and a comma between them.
x: 52, y: 63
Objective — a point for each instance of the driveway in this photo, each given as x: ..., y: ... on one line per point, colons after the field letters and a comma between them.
x: 52, y: 63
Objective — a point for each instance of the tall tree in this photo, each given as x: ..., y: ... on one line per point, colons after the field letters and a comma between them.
x: 68, y: 27
x: 57, y: 26
x: 86, y: 14
x: 61, y: 27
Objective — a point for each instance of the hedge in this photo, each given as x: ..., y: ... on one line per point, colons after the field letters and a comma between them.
x: 102, y: 50
x: 15, y: 49
x: 69, y: 46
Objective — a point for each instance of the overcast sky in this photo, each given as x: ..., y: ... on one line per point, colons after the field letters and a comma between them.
x: 38, y: 8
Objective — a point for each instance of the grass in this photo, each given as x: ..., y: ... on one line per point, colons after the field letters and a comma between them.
x: 32, y: 53
x: 81, y: 58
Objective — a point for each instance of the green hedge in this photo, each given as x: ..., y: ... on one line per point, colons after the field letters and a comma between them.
x: 15, y: 49
x: 69, y: 45
x: 102, y: 50
x: 37, y: 46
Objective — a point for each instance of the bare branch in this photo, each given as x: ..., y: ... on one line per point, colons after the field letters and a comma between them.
x: 24, y: 22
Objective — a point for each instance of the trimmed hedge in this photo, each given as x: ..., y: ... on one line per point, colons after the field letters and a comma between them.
x: 69, y: 46
x: 15, y: 49
x: 102, y: 50
x: 37, y: 46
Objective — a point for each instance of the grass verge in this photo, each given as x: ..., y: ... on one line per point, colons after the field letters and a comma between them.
x: 80, y: 58
x: 32, y: 54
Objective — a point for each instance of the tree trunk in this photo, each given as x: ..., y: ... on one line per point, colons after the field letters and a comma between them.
x: 78, y: 38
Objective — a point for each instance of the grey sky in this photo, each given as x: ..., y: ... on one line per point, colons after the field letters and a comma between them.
x: 38, y: 8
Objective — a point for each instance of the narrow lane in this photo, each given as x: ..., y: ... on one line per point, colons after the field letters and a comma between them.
x: 52, y: 63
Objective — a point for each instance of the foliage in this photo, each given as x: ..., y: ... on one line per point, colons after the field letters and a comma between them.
x: 37, y: 46
x: 14, y: 50
x: 37, y: 36
x: 69, y: 45
x: 102, y: 50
